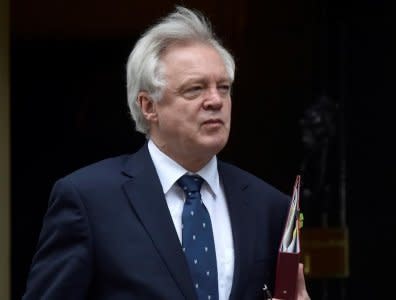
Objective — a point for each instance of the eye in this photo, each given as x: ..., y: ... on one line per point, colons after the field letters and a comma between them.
x: 224, y: 89
x: 192, y: 91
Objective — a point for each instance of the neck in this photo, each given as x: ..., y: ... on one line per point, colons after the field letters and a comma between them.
x: 190, y: 162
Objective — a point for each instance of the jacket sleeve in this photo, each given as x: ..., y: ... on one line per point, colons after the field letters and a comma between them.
x: 62, y: 265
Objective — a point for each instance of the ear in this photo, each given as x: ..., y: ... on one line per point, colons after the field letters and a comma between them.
x: 147, y: 106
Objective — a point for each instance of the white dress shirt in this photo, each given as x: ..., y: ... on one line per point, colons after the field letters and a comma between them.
x: 213, y: 196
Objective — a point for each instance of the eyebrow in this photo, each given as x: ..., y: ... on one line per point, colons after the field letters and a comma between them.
x: 204, y: 80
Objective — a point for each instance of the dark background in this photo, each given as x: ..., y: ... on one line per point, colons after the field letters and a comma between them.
x: 69, y: 109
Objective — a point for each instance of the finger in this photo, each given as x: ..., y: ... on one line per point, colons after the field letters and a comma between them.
x: 300, y: 278
x: 301, y: 288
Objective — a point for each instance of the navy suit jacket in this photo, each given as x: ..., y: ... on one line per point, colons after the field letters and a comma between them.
x: 108, y: 234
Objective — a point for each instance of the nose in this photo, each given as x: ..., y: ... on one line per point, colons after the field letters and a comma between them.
x: 213, y: 100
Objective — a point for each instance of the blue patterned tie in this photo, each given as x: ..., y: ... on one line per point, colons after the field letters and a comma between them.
x: 197, y: 239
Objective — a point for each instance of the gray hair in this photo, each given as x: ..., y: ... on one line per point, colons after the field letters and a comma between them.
x: 144, y: 68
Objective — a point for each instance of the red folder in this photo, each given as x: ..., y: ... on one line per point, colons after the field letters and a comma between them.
x: 289, y: 250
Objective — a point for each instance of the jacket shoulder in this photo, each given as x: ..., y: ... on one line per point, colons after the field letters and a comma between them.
x: 254, y: 182
x: 97, y: 174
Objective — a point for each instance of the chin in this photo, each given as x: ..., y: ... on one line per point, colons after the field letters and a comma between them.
x: 215, y: 144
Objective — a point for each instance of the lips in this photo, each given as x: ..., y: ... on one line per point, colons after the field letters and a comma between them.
x: 213, y: 121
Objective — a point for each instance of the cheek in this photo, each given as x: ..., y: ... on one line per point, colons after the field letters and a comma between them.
x: 227, y: 110
x: 190, y: 114
x: 182, y: 118
x: 181, y: 121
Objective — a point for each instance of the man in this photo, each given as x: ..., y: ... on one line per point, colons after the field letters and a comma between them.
x: 126, y: 227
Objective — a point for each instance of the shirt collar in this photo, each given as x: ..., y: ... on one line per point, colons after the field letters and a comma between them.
x: 169, y: 171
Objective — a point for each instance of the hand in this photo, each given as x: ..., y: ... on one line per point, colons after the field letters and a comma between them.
x: 302, y: 293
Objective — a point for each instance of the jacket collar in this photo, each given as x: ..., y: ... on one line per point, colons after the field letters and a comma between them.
x: 146, y: 197
x: 235, y: 187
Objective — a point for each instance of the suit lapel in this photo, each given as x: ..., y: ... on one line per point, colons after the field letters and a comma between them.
x: 237, y: 206
x: 145, y: 194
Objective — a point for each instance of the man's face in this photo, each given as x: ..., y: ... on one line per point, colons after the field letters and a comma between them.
x: 193, y: 118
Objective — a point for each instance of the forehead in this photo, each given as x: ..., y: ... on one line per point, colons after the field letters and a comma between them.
x: 192, y: 59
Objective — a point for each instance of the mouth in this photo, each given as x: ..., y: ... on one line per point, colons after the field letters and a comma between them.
x: 213, y: 122
x: 213, y: 125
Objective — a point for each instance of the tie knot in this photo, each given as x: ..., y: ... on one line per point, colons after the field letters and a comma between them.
x: 190, y: 183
